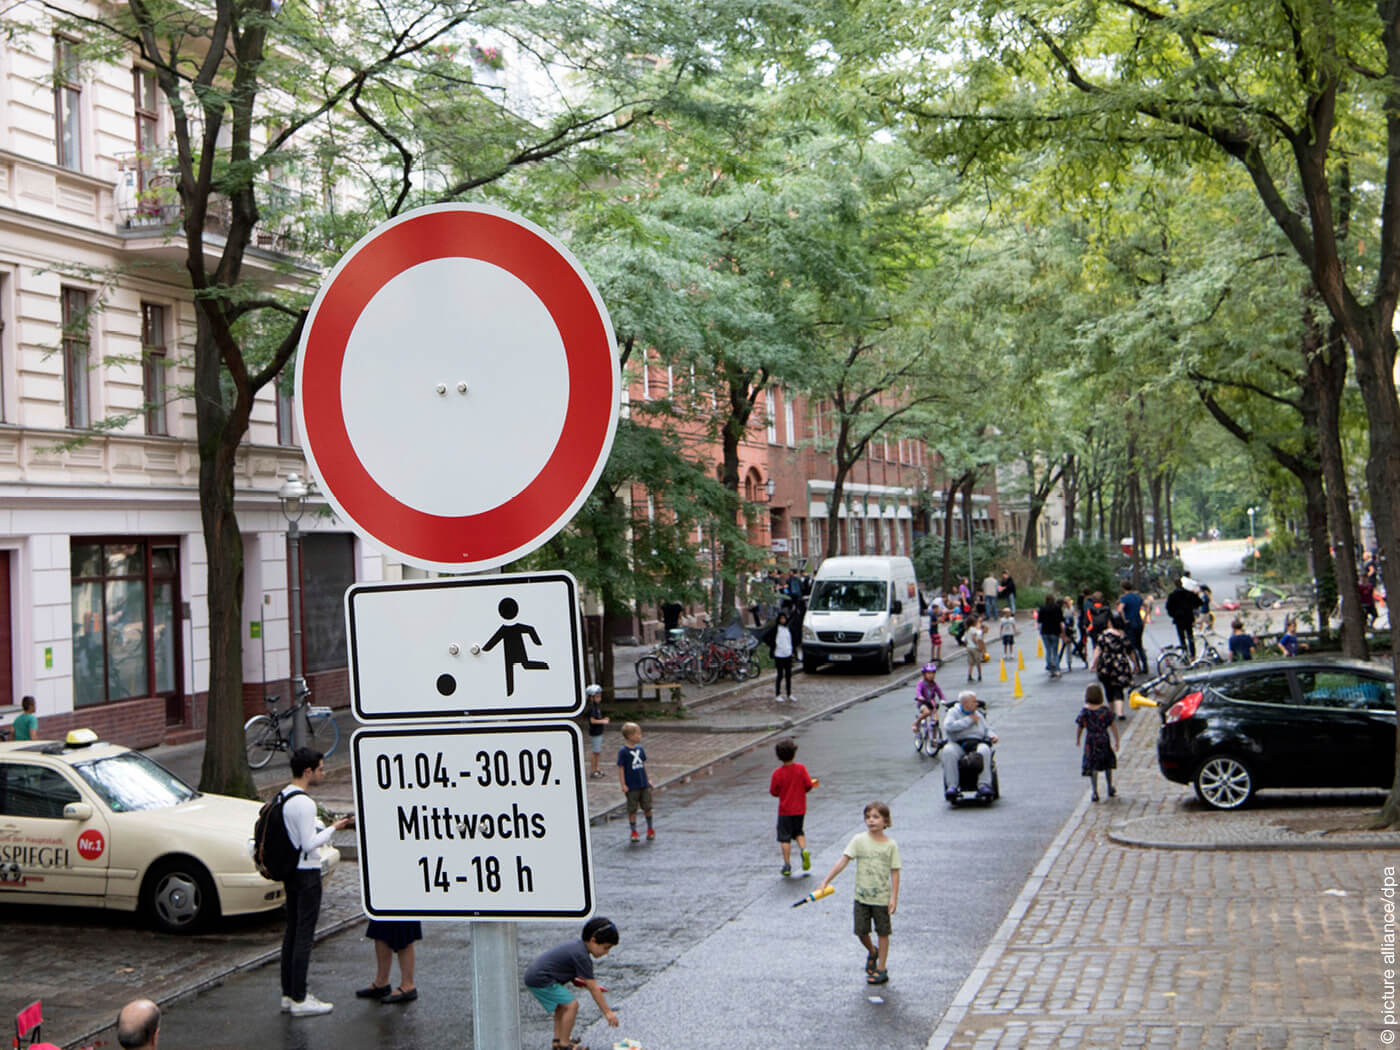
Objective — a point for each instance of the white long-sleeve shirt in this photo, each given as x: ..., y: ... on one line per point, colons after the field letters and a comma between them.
x: 299, y: 816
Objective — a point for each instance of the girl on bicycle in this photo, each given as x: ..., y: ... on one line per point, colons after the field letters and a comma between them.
x: 927, y: 697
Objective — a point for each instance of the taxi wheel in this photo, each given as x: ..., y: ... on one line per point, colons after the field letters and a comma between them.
x: 179, y: 896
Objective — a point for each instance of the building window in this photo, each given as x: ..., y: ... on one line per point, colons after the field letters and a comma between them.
x: 153, y: 363
x: 818, y: 545
x: 796, y: 531
x: 789, y: 434
x: 327, y: 569
x: 67, y: 101
x: 126, y: 593
x: 774, y: 399
x: 145, y: 95
x: 76, y: 346
x: 286, y: 416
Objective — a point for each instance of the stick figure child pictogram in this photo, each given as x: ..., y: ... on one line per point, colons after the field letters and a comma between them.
x: 513, y: 637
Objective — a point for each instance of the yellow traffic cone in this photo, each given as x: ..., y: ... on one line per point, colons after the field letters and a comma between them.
x: 1003, y: 668
x: 1021, y: 660
x: 1039, y: 649
x: 1016, y: 691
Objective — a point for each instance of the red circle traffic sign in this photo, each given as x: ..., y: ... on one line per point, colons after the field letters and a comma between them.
x: 457, y: 386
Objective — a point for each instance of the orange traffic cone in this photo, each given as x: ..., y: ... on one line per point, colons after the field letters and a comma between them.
x: 1021, y: 660
x: 1017, y: 693
x: 1003, y: 668
x: 1039, y: 649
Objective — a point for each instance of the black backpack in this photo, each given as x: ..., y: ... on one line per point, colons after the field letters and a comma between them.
x: 274, y: 853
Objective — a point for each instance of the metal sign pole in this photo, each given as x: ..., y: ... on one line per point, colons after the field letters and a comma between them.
x: 495, y: 991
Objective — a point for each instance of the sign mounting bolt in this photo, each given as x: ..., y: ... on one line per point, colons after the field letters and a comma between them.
x: 462, y: 387
x: 441, y: 388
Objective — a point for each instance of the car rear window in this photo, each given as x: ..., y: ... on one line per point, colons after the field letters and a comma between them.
x: 1347, y: 690
x: 1270, y: 687
x: 131, y: 781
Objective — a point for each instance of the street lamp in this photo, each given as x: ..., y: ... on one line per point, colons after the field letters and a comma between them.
x: 1252, y: 512
x: 293, y: 496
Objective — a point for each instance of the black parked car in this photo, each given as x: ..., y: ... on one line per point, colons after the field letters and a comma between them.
x: 1279, y: 723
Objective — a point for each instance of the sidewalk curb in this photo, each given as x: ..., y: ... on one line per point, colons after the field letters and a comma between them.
x: 1291, y: 842
x: 991, y: 956
x: 618, y: 809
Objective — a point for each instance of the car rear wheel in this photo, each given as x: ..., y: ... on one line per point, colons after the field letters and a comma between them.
x: 1224, y: 782
x: 179, y: 896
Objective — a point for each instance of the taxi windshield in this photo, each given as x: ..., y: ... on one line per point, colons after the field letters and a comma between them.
x: 131, y: 781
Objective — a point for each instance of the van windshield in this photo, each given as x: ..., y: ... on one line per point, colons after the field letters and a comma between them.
x: 848, y: 596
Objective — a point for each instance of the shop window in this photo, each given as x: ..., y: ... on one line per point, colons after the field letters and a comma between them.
x: 126, y: 600
x: 327, y: 569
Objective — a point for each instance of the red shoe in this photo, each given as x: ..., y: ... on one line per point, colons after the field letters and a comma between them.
x: 635, y: 836
x: 651, y: 834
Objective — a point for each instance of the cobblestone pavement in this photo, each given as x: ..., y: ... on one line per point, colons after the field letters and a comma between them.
x: 1203, y: 944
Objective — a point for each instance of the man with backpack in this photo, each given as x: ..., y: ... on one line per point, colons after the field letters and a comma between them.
x: 302, y: 879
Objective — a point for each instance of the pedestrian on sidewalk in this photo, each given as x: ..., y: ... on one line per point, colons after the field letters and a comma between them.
x: 1007, y: 592
x: 990, y: 587
x: 632, y: 777
x: 789, y: 785
x: 391, y: 938
x: 597, y: 726
x: 1051, y: 622
x: 936, y: 616
x: 778, y: 638
x: 877, y: 887
x: 1241, y: 642
x: 303, y: 889
x: 550, y: 975
x: 1095, y: 723
x: 26, y: 726
x: 1008, y: 633
x: 1113, y: 663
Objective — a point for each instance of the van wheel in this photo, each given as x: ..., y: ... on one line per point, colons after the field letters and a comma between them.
x: 887, y: 660
x: 810, y: 664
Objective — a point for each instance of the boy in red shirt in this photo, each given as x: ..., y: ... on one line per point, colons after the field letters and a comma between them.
x: 789, y: 786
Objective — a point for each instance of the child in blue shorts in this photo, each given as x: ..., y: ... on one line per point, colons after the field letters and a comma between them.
x: 550, y: 975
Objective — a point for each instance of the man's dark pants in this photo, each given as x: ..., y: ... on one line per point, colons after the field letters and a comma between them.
x: 1186, y: 636
x: 303, y: 906
x: 1135, y: 639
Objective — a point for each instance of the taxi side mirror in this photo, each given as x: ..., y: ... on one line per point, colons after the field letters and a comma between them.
x: 77, y: 811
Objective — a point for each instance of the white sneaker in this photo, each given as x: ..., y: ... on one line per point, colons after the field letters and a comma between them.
x: 310, y: 1007
x: 286, y: 1003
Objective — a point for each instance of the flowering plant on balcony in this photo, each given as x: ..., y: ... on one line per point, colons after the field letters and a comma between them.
x: 485, y: 55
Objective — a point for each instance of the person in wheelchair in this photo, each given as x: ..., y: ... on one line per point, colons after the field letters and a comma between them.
x: 966, y: 726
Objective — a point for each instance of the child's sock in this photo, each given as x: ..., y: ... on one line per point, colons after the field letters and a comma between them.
x: 648, y: 821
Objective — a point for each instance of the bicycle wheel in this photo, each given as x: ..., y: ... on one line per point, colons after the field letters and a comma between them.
x: 711, y: 664
x: 325, y: 734
x: 1172, y: 661
x: 649, y: 669
x: 261, y: 739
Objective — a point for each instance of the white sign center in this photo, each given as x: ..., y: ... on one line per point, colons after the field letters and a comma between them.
x: 456, y: 401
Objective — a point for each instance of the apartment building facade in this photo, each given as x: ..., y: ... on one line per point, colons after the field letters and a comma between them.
x: 103, y: 595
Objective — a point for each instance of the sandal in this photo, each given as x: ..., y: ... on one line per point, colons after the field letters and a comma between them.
x: 872, y: 964
x: 878, y: 977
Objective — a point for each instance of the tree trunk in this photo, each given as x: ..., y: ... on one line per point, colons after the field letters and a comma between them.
x: 1375, y: 372
x: 1071, y: 485
x: 225, y: 766
x: 1326, y: 374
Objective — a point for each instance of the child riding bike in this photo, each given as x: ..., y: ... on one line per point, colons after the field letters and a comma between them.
x: 927, y: 697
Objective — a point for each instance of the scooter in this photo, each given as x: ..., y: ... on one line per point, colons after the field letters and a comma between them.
x: 969, y: 767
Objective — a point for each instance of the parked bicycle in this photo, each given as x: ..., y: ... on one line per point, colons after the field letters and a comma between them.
x: 1174, y: 659
x: 266, y: 734
x: 1270, y: 596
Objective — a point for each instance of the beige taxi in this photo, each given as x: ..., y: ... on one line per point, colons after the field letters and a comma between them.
x: 93, y: 824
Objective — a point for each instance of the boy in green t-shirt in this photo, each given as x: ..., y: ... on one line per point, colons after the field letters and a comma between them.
x: 877, y: 887
x: 27, y: 724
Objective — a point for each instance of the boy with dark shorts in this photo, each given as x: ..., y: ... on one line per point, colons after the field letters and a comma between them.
x: 789, y: 785
x: 632, y: 778
x: 550, y: 975
x: 877, y: 887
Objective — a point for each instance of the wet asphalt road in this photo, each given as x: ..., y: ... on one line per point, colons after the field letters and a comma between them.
x: 712, y: 954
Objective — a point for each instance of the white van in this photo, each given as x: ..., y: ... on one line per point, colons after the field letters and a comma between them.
x: 862, y: 608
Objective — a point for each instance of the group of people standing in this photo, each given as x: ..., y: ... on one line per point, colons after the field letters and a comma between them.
x: 1106, y: 637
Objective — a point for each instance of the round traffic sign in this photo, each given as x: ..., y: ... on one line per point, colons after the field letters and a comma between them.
x: 457, y: 386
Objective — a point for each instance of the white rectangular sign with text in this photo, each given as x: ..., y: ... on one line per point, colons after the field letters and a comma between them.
x: 485, y: 822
